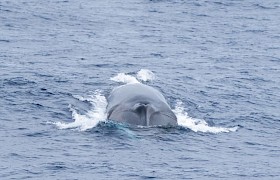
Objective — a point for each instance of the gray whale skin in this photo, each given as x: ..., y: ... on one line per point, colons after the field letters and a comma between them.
x: 139, y: 104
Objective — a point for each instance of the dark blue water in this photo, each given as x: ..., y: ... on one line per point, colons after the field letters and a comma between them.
x: 218, y: 61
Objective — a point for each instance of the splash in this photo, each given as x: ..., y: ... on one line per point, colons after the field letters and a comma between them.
x: 124, y: 78
x: 91, y: 118
x: 142, y: 75
x: 197, y: 125
x: 145, y: 75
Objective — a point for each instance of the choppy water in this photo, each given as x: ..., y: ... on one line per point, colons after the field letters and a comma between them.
x: 216, y: 62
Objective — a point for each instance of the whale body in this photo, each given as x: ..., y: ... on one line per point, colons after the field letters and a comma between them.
x: 139, y: 104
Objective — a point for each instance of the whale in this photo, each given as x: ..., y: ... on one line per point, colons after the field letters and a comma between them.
x: 139, y: 104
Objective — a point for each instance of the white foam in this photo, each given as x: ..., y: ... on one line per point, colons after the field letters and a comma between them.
x: 197, y: 125
x: 142, y: 75
x: 91, y: 118
x: 145, y: 75
x: 124, y: 78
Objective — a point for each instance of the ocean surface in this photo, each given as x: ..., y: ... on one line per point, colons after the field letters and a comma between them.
x: 216, y: 62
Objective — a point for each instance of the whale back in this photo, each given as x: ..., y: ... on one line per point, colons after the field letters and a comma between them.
x: 139, y: 104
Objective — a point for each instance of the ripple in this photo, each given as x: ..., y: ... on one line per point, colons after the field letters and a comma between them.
x: 18, y: 81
